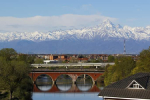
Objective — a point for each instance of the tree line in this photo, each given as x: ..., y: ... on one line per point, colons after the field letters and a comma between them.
x: 126, y: 66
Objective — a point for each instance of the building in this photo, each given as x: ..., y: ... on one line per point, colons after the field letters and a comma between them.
x: 46, y: 57
x: 83, y: 60
x: 135, y: 87
x: 103, y: 57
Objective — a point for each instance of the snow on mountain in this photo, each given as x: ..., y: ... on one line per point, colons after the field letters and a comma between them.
x: 105, y: 30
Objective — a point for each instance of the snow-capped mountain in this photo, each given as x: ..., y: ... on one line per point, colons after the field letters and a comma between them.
x: 105, y: 30
x: 103, y: 38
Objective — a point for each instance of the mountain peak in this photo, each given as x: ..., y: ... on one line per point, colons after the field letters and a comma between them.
x: 107, y: 23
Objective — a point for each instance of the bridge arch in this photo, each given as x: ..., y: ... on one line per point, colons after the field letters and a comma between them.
x: 46, y: 75
x: 61, y: 75
x: 64, y: 82
x: 84, y: 82
x: 44, y: 82
x: 44, y: 88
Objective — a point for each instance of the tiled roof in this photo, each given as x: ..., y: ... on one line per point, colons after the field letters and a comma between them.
x: 82, y: 58
x: 143, y: 81
x: 119, y: 89
x: 126, y: 93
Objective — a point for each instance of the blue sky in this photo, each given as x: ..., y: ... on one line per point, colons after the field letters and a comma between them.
x: 47, y: 15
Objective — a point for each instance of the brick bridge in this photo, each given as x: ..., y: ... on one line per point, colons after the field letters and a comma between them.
x: 94, y: 74
x: 74, y: 75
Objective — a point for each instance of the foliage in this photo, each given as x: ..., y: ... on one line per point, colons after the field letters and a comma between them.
x: 27, y: 58
x: 23, y: 92
x: 111, y: 58
x: 38, y: 61
x: 8, y: 53
x: 124, y: 65
x: 13, y: 70
x: 143, y: 64
x: 108, y: 74
x: 100, y: 80
x: 122, y: 69
x: 81, y: 56
x: 101, y: 68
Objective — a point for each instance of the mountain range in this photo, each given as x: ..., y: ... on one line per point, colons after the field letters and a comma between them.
x: 104, y: 38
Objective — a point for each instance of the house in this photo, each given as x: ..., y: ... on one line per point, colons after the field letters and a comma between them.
x: 103, y: 57
x: 62, y: 57
x: 53, y: 57
x: 83, y: 60
x: 135, y: 87
x: 46, y: 57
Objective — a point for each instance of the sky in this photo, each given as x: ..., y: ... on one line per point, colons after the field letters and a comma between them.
x: 50, y: 15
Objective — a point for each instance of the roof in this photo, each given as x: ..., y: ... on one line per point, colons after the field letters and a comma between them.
x: 119, y: 89
x: 82, y: 58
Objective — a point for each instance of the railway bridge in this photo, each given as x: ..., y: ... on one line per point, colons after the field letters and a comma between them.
x: 73, y: 73
x: 69, y: 69
x: 54, y: 74
x: 54, y: 71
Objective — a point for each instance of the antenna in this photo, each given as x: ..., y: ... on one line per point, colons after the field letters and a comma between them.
x: 124, y: 47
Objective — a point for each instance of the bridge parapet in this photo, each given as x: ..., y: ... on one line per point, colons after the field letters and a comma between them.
x: 71, y: 64
x: 66, y: 70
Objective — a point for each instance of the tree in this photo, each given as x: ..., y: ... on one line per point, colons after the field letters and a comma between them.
x: 8, y: 53
x: 143, y: 64
x: 38, y: 61
x: 109, y: 71
x: 124, y: 66
x: 12, y: 73
x: 111, y: 58
x: 12, y: 70
x: 27, y: 58
x: 122, y: 69
x: 81, y: 56
x: 24, y: 91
